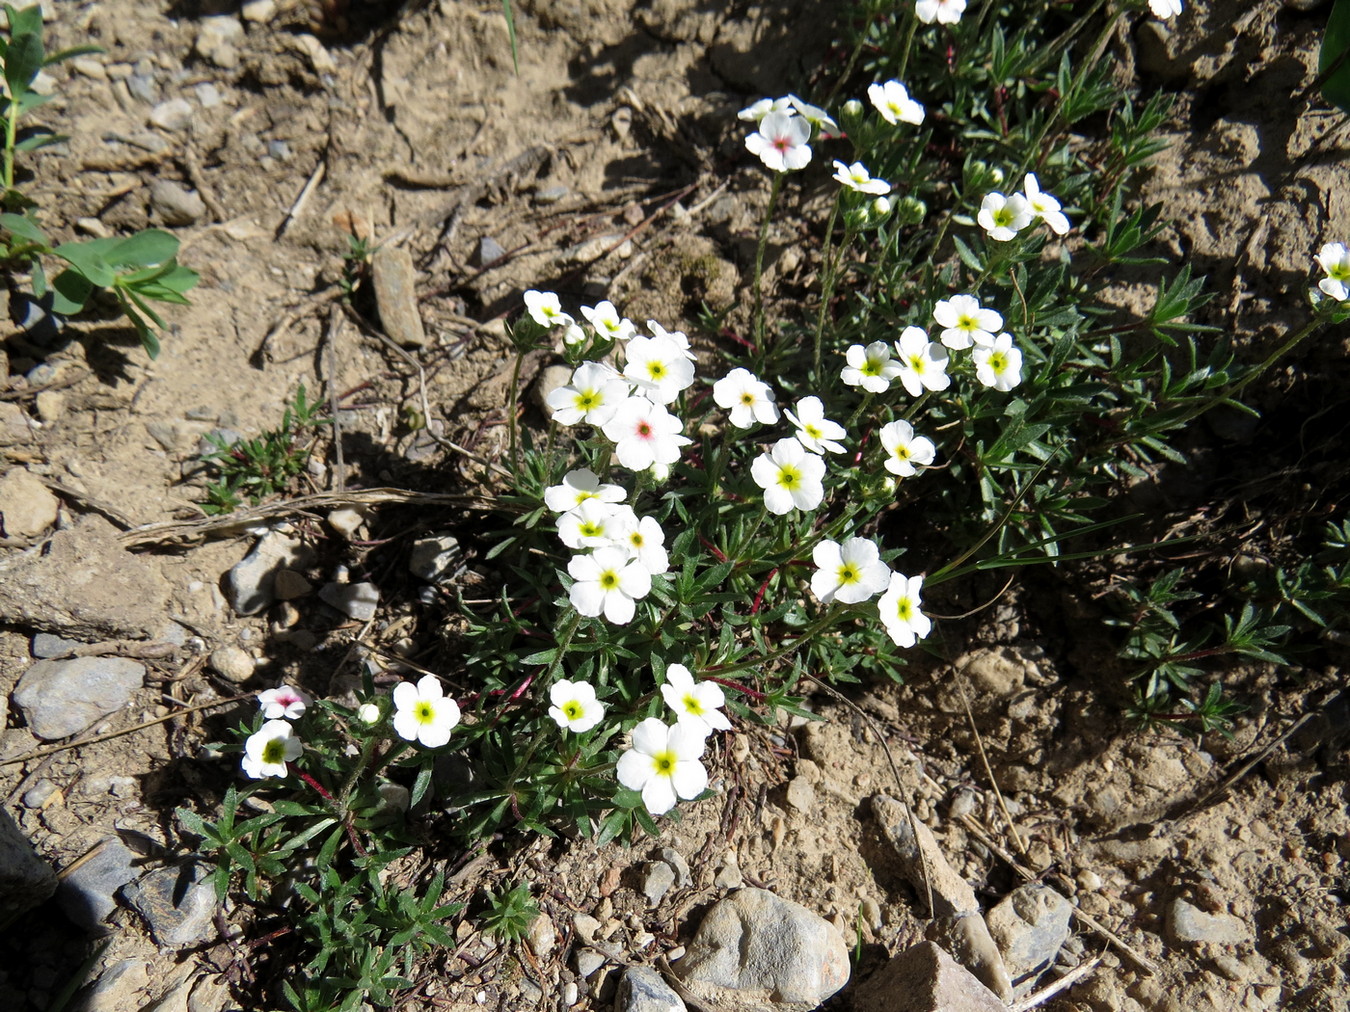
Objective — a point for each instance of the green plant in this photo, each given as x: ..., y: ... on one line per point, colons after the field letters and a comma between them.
x: 510, y: 912
x: 711, y: 527
x: 265, y: 465
x: 136, y: 270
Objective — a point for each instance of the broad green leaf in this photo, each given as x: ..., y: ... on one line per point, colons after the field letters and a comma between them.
x: 24, y: 227
x: 90, y: 259
x: 150, y: 248
x: 1333, y: 62
x: 70, y: 292
x: 23, y: 56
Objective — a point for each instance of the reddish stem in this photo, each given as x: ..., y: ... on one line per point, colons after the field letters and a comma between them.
x: 716, y: 552
x: 759, y: 597
x: 731, y: 683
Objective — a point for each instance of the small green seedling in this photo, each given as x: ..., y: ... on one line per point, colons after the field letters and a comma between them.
x: 137, y: 270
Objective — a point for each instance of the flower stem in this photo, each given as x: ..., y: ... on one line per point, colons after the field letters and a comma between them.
x: 828, y: 280
x: 759, y: 259
x: 512, y: 402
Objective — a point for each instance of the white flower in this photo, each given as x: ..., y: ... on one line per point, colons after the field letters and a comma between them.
x: 680, y: 338
x: 368, y: 713
x: 947, y: 12
x: 965, y: 321
x: 906, y: 453
x: 608, y: 581
x: 1335, y: 260
x: 893, y: 102
x: 608, y: 323
x: 423, y: 712
x: 814, y: 431
x: 283, y: 701
x: 593, y: 524
x: 697, y: 704
x: 645, y: 434
x: 575, y: 707
x: 790, y: 476
x: 1165, y: 8
x: 856, y: 177
x: 578, y: 486
x: 870, y: 368
x: 900, y: 613
x: 998, y: 365
x: 1044, y: 205
x: 814, y: 115
x: 645, y: 541
x: 269, y: 749
x: 545, y: 309
x: 1003, y: 217
x: 573, y: 334
x: 923, y: 365
x: 756, y: 113
x: 848, y: 573
x: 659, y: 367
x: 749, y: 399
x: 781, y: 142
x: 663, y: 763
x: 594, y: 394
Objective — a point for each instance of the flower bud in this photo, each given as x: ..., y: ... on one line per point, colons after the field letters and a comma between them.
x: 911, y: 211
x: 850, y: 116
x: 368, y: 713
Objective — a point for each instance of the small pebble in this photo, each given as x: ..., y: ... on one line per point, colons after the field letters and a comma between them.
x: 346, y: 521
x: 232, y: 663
x: 587, y: 961
x: 174, y: 115
x: 174, y: 205
x: 569, y: 993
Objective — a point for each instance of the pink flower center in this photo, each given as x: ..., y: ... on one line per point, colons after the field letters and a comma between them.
x: 644, y: 430
x: 782, y: 144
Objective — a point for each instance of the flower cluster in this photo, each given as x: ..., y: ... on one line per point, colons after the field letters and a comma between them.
x: 623, y: 551
x: 1004, y: 216
x: 785, y: 126
x: 663, y: 760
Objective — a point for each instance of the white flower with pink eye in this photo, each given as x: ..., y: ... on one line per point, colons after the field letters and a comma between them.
x: 781, y: 142
x: 645, y: 434
x: 283, y: 701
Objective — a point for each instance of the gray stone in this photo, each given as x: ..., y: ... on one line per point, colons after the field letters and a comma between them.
x: 232, y: 663
x: 61, y: 698
x: 259, y: 11
x: 25, y: 879
x: 217, y: 40
x: 641, y: 989
x: 550, y: 378
x: 542, y: 935
x: 924, y: 978
x: 489, y: 251
x: 1029, y: 926
x: 657, y: 880
x: 550, y: 195
x: 177, y: 902
x: 86, y: 893
x: 728, y: 875
x: 676, y: 860
x: 355, y: 600
x: 85, y: 585
x: 587, y: 960
x: 801, y: 794
x: 27, y: 506
x: 47, y: 645
x: 770, y: 952
x: 37, y: 795
x: 395, y: 281
x: 117, y: 988
x: 436, y: 558
x: 250, y: 583
x: 1188, y: 923
x: 957, y: 921
x: 173, y: 204
x: 172, y: 115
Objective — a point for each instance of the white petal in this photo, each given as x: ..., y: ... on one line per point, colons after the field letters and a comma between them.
x: 689, y: 779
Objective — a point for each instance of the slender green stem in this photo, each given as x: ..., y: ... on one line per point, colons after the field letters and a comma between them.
x: 858, y: 411
x: 370, y: 761
x: 513, y: 399
x: 908, y: 46
x: 914, y: 408
x: 828, y: 279
x: 759, y: 259
x: 816, y: 627
x: 735, y: 556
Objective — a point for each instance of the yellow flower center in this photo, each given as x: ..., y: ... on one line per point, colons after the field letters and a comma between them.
x: 998, y: 361
x: 663, y: 763
x: 656, y: 370
x: 692, y: 705
x: 274, y: 751
x: 425, y: 712
x: 847, y: 574
x: 573, y: 710
x: 609, y: 579
x: 788, y: 476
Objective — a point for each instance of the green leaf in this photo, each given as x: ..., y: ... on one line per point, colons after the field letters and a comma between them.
x: 24, y: 227
x: 66, y: 54
x: 70, y: 292
x: 150, y: 248
x: 23, y: 56
x: 90, y: 259
x: 41, y: 139
x: 1333, y: 62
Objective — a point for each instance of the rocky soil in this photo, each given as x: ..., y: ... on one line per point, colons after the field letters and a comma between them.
x: 1194, y: 876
